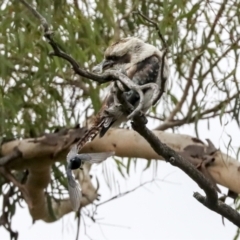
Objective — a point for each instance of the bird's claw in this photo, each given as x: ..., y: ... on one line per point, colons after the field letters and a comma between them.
x: 139, y: 89
x: 135, y: 112
x: 154, y: 99
x: 140, y: 114
x: 156, y: 91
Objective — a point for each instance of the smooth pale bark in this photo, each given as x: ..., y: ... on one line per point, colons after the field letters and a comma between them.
x: 37, y: 157
x: 127, y: 143
x: 47, y: 208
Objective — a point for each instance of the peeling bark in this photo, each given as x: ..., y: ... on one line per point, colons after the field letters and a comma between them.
x: 37, y: 155
x: 224, y: 170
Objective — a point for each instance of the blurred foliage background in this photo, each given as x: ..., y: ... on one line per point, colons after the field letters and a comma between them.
x: 40, y: 94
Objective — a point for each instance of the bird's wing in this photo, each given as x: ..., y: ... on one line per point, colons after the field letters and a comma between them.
x: 72, y: 153
x: 147, y: 71
x: 151, y: 70
x: 108, y: 122
x: 74, y: 190
x: 98, y: 157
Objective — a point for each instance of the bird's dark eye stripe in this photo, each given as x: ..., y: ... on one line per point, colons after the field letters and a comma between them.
x: 114, y: 58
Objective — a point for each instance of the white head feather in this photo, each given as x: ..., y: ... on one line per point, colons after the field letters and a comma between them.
x: 137, y: 49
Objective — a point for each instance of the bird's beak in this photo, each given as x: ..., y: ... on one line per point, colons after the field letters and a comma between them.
x: 102, y: 66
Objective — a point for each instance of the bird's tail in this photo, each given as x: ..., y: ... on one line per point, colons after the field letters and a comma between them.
x: 108, y: 115
x: 90, y: 134
x: 108, y: 122
x: 105, y: 118
x: 100, y: 125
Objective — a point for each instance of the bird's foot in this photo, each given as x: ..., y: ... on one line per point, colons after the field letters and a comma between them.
x: 139, y: 108
x: 142, y: 105
x: 134, y: 113
x: 141, y: 115
x: 155, y: 89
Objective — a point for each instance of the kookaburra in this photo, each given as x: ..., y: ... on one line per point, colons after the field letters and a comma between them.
x: 141, y: 62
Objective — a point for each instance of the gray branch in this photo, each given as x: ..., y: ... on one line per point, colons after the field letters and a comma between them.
x: 211, y: 200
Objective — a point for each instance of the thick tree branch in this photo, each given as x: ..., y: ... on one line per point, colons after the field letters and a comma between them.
x: 224, y: 169
x: 211, y: 199
x: 11, y: 156
x: 37, y: 156
x: 41, y: 208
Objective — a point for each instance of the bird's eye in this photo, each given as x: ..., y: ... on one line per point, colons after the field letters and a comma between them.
x: 74, y: 159
x: 75, y: 162
x: 113, y: 58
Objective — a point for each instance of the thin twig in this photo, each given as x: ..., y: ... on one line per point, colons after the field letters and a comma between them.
x: 43, y: 21
x: 5, y: 218
x: 156, y: 27
x: 193, y: 66
x: 191, y: 119
x: 186, y: 90
x: 125, y: 193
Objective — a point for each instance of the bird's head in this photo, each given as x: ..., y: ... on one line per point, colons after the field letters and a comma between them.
x: 75, y: 162
x: 129, y: 50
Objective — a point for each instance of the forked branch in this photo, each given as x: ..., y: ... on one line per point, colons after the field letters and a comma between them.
x: 211, y: 200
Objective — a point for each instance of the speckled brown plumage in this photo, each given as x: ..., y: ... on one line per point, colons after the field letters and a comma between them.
x: 142, y: 63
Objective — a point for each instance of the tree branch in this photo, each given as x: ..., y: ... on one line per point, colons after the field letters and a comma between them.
x: 37, y: 157
x: 193, y: 66
x: 7, y: 175
x: 156, y: 27
x: 41, y: 208
x: 220, y: 208
x: 105, y: 77
x: 124, y: 193
x: 224, y: 169
x: 11, y: 156
x: 211, y: 199
x: 216, y: 110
